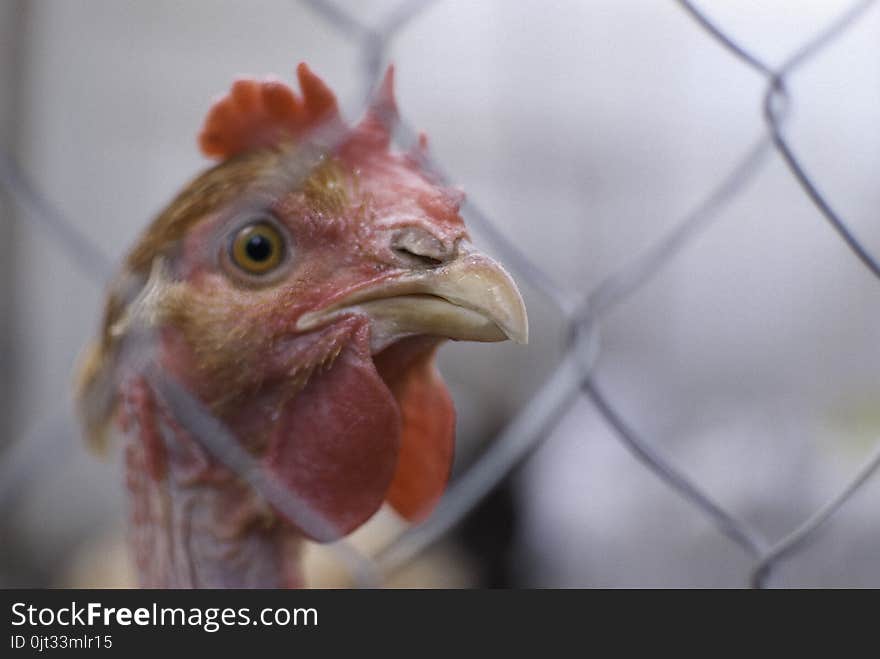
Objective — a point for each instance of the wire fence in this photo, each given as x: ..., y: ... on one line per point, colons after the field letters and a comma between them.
x: 584, y: 313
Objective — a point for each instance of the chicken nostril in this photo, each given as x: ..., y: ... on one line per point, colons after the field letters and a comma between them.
x: 421, y: 259
x: 419, y: 247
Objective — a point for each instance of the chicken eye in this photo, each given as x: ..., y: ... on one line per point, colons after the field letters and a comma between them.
x: 257, y: 248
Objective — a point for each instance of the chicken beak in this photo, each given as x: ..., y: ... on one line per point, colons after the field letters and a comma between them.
x: 468, y: 298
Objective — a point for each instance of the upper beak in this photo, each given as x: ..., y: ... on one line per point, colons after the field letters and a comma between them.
x: 469, y: 298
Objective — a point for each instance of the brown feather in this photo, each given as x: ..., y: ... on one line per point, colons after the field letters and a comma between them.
x: 94, y: 391
x: 325, y: 190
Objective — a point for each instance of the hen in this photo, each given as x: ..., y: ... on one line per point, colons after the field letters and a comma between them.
x: 298, y: 291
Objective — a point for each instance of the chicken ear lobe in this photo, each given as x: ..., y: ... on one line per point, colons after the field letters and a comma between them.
x: 427, y: 439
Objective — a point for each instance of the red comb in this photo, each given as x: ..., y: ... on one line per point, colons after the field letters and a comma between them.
x: 262, y: 113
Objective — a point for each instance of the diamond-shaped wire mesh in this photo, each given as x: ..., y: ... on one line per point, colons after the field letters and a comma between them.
x: 585, y: 314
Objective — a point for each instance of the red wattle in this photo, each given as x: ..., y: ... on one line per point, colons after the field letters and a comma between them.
x: 427, y: 414
x: 335, y: 446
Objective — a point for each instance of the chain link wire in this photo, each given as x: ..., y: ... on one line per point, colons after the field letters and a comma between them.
x: 574, y: 375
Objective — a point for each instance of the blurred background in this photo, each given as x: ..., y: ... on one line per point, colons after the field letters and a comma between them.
x: 586, y: 129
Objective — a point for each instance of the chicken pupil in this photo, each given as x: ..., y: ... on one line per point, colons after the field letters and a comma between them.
x: 258, y: 248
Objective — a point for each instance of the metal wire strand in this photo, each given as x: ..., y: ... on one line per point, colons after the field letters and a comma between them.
x: 575, y: 374
x: 87, y: 256
x: 773, y: 118
x: 798, y: 539
x: 625, y: 282
x: 733, y: 528
x: 776, y: 83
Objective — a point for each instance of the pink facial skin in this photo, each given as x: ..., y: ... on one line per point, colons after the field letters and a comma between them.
x: 341, y: 429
